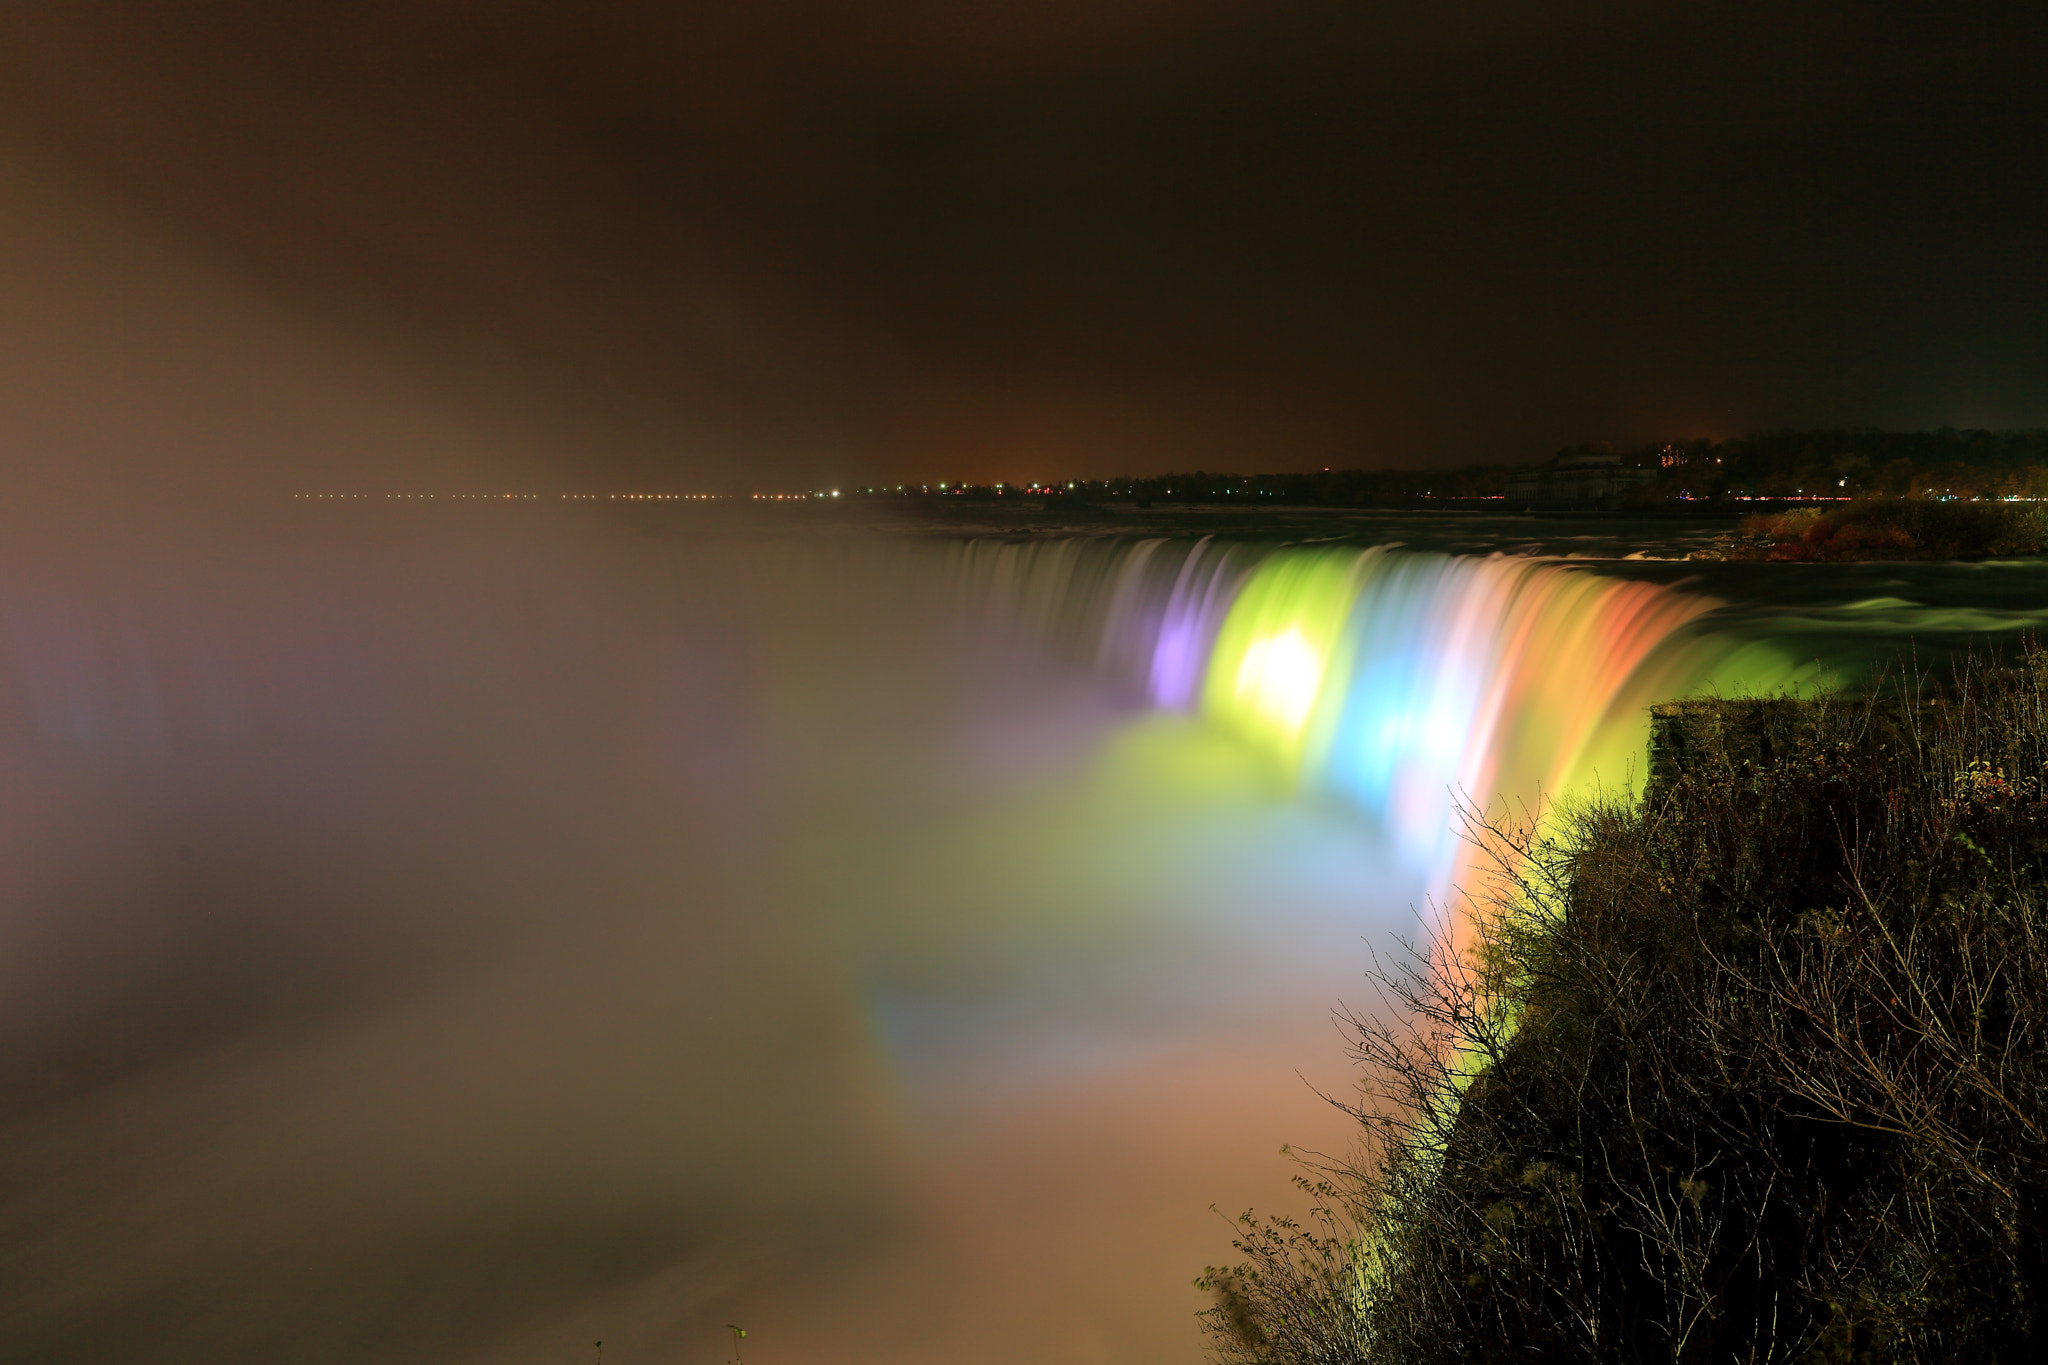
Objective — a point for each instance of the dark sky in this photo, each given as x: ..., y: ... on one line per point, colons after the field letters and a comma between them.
x: 789, y: 240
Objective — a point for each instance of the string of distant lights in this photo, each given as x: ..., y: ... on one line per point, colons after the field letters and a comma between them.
x: 815, y: 494
x: 951, y: 489
x: 563, y: 497
x: 808, y: 496
x: 997, y: 490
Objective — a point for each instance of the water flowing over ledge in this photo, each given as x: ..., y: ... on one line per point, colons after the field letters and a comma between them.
x: 394, y: 894
x: 1398, y: 682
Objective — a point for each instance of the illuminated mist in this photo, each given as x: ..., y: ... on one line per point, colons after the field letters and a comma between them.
x: 475, y: 941
x: 462, y: 934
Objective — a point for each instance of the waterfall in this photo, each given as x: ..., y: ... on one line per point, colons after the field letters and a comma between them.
x: 410, y: 895
x: 1400, y: 683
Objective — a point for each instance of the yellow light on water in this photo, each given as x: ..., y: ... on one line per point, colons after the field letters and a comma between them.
x: 1280, y: 649
x: 1279, y: 677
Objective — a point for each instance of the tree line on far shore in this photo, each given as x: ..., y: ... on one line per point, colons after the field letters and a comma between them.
x: 1961, y: 465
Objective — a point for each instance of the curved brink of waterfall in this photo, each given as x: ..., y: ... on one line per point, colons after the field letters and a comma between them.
x: 1402, y: 684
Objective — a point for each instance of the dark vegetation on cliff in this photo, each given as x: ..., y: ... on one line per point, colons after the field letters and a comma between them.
x: 1852, y: 462
x: 1889, y: 528
x: 1755, y: 1069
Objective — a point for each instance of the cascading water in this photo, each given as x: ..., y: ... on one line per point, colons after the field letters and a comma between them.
x: 1403, y: 683
x: 435, y: 942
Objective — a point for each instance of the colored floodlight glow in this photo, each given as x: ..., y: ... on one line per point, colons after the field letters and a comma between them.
x: 1279, y: 646
x: 1278, y: 679
x: 1410, y: 684
x: 1414, y: 689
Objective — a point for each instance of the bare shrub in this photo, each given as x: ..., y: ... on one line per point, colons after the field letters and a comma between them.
x: 1754, y: 1070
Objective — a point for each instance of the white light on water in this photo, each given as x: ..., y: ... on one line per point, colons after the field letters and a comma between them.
x: 1279, y: 678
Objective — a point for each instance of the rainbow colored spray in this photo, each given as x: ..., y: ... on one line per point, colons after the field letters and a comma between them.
x: 1409, y: 684
x: 1404, y: 684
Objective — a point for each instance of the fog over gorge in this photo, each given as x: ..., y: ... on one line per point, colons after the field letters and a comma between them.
x: 467, y: 933
x: 469, y: 927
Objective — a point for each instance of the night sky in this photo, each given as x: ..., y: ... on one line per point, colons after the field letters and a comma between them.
x: 731, y: 244
x: 459, y: 932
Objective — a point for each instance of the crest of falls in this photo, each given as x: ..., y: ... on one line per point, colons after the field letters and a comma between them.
x: 1402, y: 684
x: 436, y: 940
